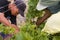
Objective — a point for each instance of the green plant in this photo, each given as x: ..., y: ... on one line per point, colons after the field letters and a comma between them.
x: 32, y: 11
x: 6, y: 29
x: 29, y: 31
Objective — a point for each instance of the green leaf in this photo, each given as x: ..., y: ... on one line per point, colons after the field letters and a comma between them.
x: 56, y: 38
x: 1, y: 38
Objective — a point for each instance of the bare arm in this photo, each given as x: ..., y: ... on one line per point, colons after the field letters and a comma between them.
x: 4, y: 20
x: 46, y: 15
x: 7, y: 23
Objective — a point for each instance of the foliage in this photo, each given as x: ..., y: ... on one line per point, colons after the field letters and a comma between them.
x: 32, y: 11
x: 56, y: 38
x: 29, y: 31
x: 6, y: 29
x: 1, y: 38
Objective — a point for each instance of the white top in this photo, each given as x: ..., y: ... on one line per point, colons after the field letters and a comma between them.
x: 42, y: 4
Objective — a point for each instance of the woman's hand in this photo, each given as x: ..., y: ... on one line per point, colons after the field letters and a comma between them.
x: 16, y: 28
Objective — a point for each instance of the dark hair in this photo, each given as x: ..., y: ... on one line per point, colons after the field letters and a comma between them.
x: 22, y: 6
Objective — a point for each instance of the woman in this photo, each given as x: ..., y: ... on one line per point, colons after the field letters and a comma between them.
x: 9, y: 11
